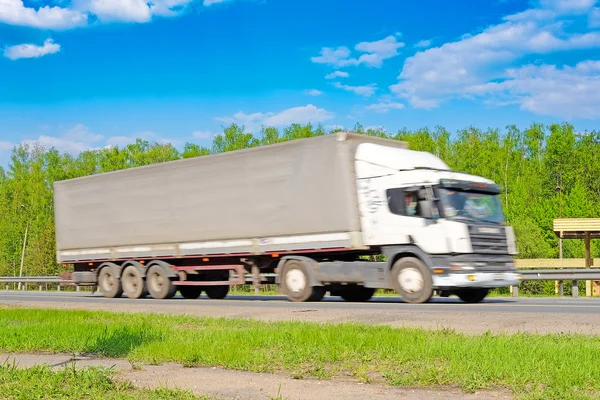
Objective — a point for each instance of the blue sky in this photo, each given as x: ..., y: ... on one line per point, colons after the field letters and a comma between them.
x: 80, y: 74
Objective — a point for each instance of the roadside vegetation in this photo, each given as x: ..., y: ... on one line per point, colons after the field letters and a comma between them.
x: 41, y: 382
x: 530, y: 164
x: 532, y: 366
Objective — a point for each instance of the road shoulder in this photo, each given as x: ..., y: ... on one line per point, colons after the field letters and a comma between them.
x: 227, y: 384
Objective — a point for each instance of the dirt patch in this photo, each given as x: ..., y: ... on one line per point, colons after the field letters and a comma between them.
x: 228, y: 384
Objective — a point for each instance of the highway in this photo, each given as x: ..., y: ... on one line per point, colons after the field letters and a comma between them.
x: 541, y: 315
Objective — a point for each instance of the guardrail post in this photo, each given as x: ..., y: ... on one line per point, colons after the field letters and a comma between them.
x: 562, y: 288
x: 515, y: 291
x: 40, y: 288
x: 58, y: 288
x: 77, y: 288
x: 575, y: 289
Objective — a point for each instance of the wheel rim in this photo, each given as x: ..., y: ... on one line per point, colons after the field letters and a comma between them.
x: 131, y: 282
x: 411, y: 280
x: 295, y: 280
x: 157, y: 282
x: 108, y: 282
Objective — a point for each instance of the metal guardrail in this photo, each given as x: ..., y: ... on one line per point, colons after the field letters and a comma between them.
x: 37, y: 279
x: 560, y: 275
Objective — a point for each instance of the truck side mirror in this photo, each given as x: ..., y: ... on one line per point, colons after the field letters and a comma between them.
x: 426, y: 209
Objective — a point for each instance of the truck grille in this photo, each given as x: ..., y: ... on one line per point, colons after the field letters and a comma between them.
x: 486, y: 239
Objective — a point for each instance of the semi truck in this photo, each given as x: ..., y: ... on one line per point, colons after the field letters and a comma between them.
x: 344, y: 214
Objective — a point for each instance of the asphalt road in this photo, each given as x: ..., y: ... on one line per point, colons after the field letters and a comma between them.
x: 547, y: 315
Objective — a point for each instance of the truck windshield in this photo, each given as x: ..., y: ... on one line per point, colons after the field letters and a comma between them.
x: 483, y: 207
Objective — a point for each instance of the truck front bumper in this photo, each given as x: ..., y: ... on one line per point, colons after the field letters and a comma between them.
x: 476, y: 280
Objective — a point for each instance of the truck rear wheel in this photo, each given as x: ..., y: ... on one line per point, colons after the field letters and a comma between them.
x: 472, y: 295
x: 217, y: 292
x: 357, y: 293
x: 133, y: 283
x: 412, y: 280
x: 110, y: 283
x: 295, y: 283
x: 190, y: 292
x: 159, y: 284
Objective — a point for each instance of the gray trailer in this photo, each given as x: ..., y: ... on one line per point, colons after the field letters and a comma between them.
x: 295, y: 212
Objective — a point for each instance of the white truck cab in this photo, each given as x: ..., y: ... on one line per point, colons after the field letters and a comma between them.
x: 413, y: 199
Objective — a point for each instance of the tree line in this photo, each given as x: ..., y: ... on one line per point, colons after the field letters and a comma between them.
x: 545, y: 171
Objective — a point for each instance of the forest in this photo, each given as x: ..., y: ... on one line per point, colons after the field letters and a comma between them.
x: 545, y: 171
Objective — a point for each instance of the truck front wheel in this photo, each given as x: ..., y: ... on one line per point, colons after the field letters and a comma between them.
x: 295, y: 283
x: 412, y: 280
x: 190, y: 292
x: 217, y: 292
x: 472, y: 295
x: 357, y: 294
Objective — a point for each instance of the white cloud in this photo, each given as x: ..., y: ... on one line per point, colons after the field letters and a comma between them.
x: 568, y: 6
x: 366, y: 90
x: 423, y: 44
x: 6, y: 146
x: 594, y: 21
x: 334, y: 127
x: 337, y: 74
x: 295, y: 115
x: 203, y: 135
x: 385, y: 106
x: 29, y: 50
x: 153, y: 137
x: 77, y: 14
x: 82, y: 133
x: 374, y: 53
x: 568, y: 92
x: 168, y: 8
x: 14, y: 12
x: 75, y: 140
x: 313, y: 92
x: 453, y: 69
x: 116, y: 10
x: 120, y: 141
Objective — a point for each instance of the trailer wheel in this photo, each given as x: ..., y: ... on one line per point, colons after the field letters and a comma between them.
x: 217, y: 292
x: 133, y: 283
x: 357, y: 294
x: 412, y: 280
x: 159, y: 284
x: 295, y: 283
x: 472, y: 295
x: 109, y: 283
x: 190, y: 292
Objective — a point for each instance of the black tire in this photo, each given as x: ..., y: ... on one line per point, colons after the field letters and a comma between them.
x: 318, y: 292
x: 190, y: 292
x: 295, y: 283
x: 159, y: 284
x: 217, y: 292
x: 472, y: 295
x: 357, y: 294
x: 133, y: 283
x: 412, y: 280
x: 109, y: 283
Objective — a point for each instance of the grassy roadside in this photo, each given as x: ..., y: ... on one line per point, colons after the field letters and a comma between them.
x: 533, y: 366
x: 41, y: 382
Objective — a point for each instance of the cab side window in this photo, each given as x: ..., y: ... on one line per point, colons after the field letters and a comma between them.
x: 402, y: 202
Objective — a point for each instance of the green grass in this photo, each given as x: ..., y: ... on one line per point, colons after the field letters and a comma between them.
x: 533, y: 366
x: 41, y: 382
